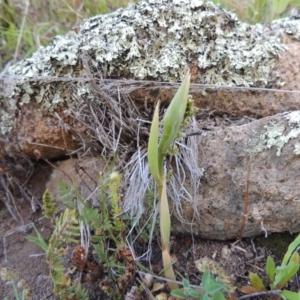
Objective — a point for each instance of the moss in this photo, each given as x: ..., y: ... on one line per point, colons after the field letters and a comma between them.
x: 278, y: 243
x: 153, y: 39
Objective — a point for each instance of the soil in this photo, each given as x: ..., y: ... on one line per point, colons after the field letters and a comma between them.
x: 27, y: 261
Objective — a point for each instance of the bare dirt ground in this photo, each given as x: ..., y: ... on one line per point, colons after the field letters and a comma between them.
x: 24, y: 259
x: 235, y: 258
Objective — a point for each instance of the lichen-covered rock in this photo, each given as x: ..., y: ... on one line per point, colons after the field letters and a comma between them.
x: 261, y: 157
x: 153, y: 39
x: 268, y: 148
x: 92, y: 91
x: 158, y: 39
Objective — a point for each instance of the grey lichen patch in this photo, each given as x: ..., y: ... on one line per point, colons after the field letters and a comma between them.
x: 158, y: 38
x: 294, y: 118
x: 290, y: 26
x: 277, y: 135
x: 297, y: 149
x: 5, y: 122
x: 152, y: 39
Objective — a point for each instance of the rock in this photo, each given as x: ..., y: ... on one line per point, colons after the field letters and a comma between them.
x: 271, y: 147
x: 41, y: 99
x: 92, y: 92
x: 80, y: 174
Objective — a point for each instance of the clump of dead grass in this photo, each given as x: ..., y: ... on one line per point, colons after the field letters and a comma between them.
x: 118, y: 128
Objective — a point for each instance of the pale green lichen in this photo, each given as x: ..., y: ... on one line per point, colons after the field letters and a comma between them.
x: 294, y: 118
x: 5, y: 122
x: 297, y: 149
x: 289, y: 26
x: 152, y: 39
x: 277, y: 135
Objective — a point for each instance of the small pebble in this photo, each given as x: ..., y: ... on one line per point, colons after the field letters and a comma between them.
x: 249, y: 255
x: 225, y: 253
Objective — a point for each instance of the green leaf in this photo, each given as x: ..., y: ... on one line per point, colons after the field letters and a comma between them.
x: 292, y: 248
x: 295, y: 258
x: 16, y: 292
x: 49, y: 205
x: 288, y: 295
x: 285, y: 273
x: 96, y: 238
x: 193, y: 293
x: 270, y: 268
x: 178, y: 294
x: 256, y: 282
x: 101, y: 252
x: 206, y: 278
x: 214, y: 287
x: 218, y: 296
x: 56, y: 266
x: 279, y: 6
x: 175, y: 115
x: 39, y: 240
x: 153, y: 156
x: 185, y: 283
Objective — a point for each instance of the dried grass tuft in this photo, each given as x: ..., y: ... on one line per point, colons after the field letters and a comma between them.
x: 118, y: 128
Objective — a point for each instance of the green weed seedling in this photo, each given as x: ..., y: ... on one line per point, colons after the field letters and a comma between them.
x: 49, y: 207
x: 211, y: 289
x: 278, y: 276
x: 16, y: 293
x: 10, y: 275
x: 66, y: 232
x: 108, y: 231
x: 18, y: 297
x: 107, y: 224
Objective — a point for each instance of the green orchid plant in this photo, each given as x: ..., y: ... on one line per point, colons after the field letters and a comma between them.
x: 157, y: 151
x: 278, y: 276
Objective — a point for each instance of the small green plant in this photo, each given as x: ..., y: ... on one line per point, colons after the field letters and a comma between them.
x: 16, y: 293
x: 157, y: 151
x: 145, y: 226
x: 211, y: 289
x: 278, y: 276
x: 9, y: 274
x: 108, y: 229
x: 66, y: 231
x: 49, y: 206
x: 108, y: 223
x: 114, y: 196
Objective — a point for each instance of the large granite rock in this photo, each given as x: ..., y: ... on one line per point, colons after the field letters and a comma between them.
x: 93, y: 92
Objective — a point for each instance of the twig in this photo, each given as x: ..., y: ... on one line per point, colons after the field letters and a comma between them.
x: 128, y: 82
x: 258, y: 294
x: 168, y: 280
x: 56, y: 168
